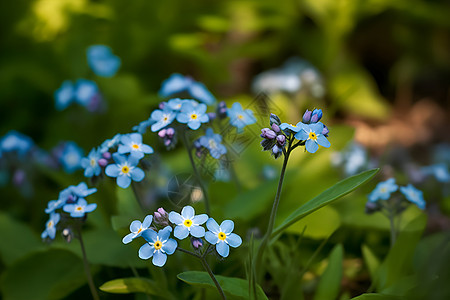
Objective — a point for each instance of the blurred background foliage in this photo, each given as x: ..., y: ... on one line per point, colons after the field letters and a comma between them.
x: 385, y: 67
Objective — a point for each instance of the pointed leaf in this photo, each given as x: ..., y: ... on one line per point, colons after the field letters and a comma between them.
x: 330, y: 282
x: 133, y: 285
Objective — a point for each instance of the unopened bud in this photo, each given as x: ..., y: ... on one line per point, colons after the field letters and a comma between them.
x: 162, y: 133
x: 102, y: 162
x: 307, y: 116
x: 276, y: 128
x: 281, y: 140
x: 106, y: 155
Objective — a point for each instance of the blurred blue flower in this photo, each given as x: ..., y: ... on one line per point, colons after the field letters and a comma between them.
x: 50, y: 226
x: 71, y: 156
x: 178, y: 83
x: 90, y: 163
x: 142, y: 127
x: 192, y: 115
x: 136, y: 228
x: 312, y: 134
x: 439, y: 171
x: 175, y: 104
x: 158, y: 245
x: 102, y: 61
x: 78, y: 209
x: 413, y: 195
x: 239, y: 117
x: 383, y: 190
x: 212, y: 141
x: 65, y: 95
x: 132, y: 143
x: 87, y: 93
x: 125, y: 170
x: 72, y: 193
x: 162, y: 118
x: 222, y: 236
x: 53, y: 205
x: 110, y: 143
x: 187, y: 223
x: 17, y: 142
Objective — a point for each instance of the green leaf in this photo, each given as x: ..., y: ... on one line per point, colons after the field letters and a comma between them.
x: 371, y: 261
x: 335, y: 192
x: 233, y: 286
x: 17, y: 239
x: 377, y: 297
x: 133, y: 285
x: 330, y: 282
x: 51, y: 274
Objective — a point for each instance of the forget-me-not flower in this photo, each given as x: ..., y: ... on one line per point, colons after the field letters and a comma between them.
x: 110, y: 143
x: 64, y: 96
x: 413, y: 195
x: 222, y: 236
x: 383, y: 190
x: 50, y: 226
x: 212, y: 141
x: 175, y: 104
x: 313, y: 137
x: 102, y: 61
x: 17, y: 142
x: 125, y: 170
x: 90, y: 163
x: 439, y: 171
x: 187, y: 223
x: 132, y: 143
x: 162, y: 118
x: 77, y: 210
x: 178, y: 83
x: 136, y: 228
x: 72, y: 193
x: 158, y: 245
x: 192, y: 115
x: 71, y: 156
x: 239, y: 117
x: 85, y: 91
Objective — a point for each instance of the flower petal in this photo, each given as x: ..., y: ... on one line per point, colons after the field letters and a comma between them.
x: 234, y: 240
x: 211, y: 238
x: 181, y: 232
x: 146, y: 149
x: 227, y: 226
x: 112, y: 170
x: 200, y: 219
x: 135, y: 225
x: 188, y: 212
x: 159, y: 258
x: 311, y: 146
x: 212, y: 225
x: 146, y: 251
x: 175, y: 218
x: 223, y: 249
x: 197, y: 231
x: 123, y: 181
x: 128, y: 238
x: 137, y: 174
x: 149, y: 235
x: 170, y: 246
x: 147, y: 221
x: 164, y: 233
x: 322, y: 141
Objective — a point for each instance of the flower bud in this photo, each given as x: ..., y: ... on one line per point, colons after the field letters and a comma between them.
x: 102, y: 162
x: 307, y: 116
x: 161, y: 217
x: 281, y: 140
x: 325, y: 130
x: 162, y: 105
x: 197, y: 243
x: 371, y: 207
x: 274, y: 119
x: 222, y: 110
x: 316, y: 115
x: 106, y: 155
x: 211, y: 115
x: 170, y: 132
x: 276, y: 128
x: 277, y: 151
x: 162, y: 133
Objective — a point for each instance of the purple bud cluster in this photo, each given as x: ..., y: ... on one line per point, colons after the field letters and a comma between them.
x: 273, y: 138
x: 161, y: 217
x: 222, y: 110
x: 169, y: 137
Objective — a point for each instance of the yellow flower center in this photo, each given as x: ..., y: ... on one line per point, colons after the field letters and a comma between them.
x: 222, y: 236
x: 383, y: 190
x: 165, y: 119
x: 79, y: 208
x: 187, y: 223
x: 240, y: 117
x: 93, y: 162
x: 50, y: 224
x: 312, y: 136
x: 194, y: 116
x: 135, y: 146
x: 125, y: 169
x: 140, y: 229
x: 157, y: 245
x: 212, y: 144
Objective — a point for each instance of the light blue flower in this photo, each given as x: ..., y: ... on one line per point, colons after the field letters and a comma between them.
x: 212, y: 141
x: 17, y: 142
x: 72, y: 193
x: 137, y: 228
x: 439, y: 171
x: 71, y: 156
x: 50, y: 226
x: 110, y: 143
x: 158, y: 245
x: 142, y: 127
x: 290, y: 128
x: 102, y: 61
x: 383, y: 190
x: 90, y: 163
x: 413, y: 195
x: 85, y: 92
x: 313, y: 137
x: 239, y: 117
x: 175, y: 104
x: 162, y: 118
x: 132, y: 143
x: 178, y: 83
x: 125, y: 170
x: 187, y: 223
x: 64, y: 96
x: 222, y: 236
x: 192, y: 115
x: 78, y: 209
x: 53, y: 205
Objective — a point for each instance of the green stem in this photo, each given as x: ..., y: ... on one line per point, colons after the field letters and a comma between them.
x: 392, y: 223
x: 87, y: 269
x: 196, y: 173
x: 207, y: 268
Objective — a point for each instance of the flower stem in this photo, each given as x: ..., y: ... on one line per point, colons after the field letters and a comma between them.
x: 207, y: 268
x: 87, y: 269
x: 393, y: 231
x: 196, y: 173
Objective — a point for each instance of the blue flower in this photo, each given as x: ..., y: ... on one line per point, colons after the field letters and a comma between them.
x: 158, y: 245
x: 71, y: 156
x: 212, y: 141
x: 289, y: 128
x: 137, y: 228
x: 72, y: 193
x: 50, y: 226
x: 222, y: 236
x: 178, y: 83
x: 187, y: 223
x: 101, y: 60
x: 90, y: 163
x: 313, y: 136
x: 85, y: 92
x: 78, y: 209
x: 142, y: 127
x: 64, y: 96
x: 125, y: 170
x: 239, y: 117
x: 439, y: 171
x: 14, y: 141
x: 413, y: 195
x: 53, y: 205
x: 175, y: 104
x: 383, y: 190
x: 193, y: 115
x: 110, y: 143
x: 161, y: 118
x: 132, y: 143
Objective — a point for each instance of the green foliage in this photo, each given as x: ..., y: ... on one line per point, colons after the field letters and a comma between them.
x: 330, y: 282
x: 134, y: 285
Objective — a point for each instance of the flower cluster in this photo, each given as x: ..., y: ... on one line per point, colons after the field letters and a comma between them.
x: 158, y: 239
x: 310, y: 133
x: 178, y: 84
x: 73, y: 204
x: 382, y: 193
